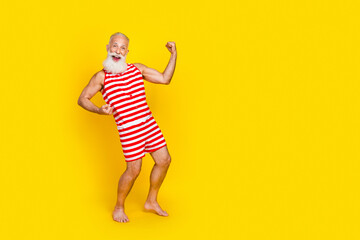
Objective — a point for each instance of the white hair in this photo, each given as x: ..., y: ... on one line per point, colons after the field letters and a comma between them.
x: 118, y: 33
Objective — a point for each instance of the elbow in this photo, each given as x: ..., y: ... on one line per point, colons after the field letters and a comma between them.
x: 166, y: 81
x: 165, y: 78
x: 79, y: 102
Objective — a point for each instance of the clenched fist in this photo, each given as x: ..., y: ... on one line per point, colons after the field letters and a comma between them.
x: 171, y: 47
x: 106, y: 110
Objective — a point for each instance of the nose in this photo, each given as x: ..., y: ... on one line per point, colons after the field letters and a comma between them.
x: 117, y: 51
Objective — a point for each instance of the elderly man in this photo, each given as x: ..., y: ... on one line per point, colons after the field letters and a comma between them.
x: 122, y: 87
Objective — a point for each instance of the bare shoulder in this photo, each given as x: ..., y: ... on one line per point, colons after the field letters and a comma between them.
x: 98, y: 78
x: 100, y: 75
x: 140, y: 66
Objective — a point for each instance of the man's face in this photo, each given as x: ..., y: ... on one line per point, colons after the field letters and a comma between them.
x: 118, y: 45
x: 115, y: 61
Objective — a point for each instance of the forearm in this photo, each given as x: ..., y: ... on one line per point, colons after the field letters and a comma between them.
x: 170, y: 68
x: 88, y: 105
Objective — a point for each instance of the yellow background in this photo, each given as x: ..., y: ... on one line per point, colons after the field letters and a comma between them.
x: 261, y: 119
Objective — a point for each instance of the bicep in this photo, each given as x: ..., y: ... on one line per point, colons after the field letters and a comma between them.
x: 153, y: 75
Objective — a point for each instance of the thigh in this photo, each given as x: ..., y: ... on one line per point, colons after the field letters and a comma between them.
x: 132, y: 142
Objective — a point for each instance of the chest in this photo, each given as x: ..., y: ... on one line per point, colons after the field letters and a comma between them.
x: 123, y: 83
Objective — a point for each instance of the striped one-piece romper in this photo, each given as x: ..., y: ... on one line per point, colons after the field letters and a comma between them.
x: 138, y: 130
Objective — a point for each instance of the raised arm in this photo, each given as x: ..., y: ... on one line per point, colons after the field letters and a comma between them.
x: 155, y: 76
x: 95, y: 84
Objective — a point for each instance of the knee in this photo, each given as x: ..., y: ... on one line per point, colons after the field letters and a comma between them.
x: 165, y: 162
x: 134, y: 172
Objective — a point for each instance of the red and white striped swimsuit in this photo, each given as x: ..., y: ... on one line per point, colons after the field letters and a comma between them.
x: 138, y: 130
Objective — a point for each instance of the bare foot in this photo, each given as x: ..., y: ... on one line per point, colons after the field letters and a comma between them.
x: 119, y: 215
x: 155, y: 208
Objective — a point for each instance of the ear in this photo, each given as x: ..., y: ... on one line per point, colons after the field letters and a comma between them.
x: 107, y: 47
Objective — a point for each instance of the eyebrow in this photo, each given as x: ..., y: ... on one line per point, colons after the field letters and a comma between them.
x: 119, y: 44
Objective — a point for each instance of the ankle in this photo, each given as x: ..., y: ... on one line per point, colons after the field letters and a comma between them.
x: 151, y: 200
x: 119, y: 207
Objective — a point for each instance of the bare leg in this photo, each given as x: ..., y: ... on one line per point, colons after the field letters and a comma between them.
x: 162, y: 162
x: 126, y: 182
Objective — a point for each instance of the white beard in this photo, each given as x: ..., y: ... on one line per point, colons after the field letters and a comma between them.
x: 115, y: 67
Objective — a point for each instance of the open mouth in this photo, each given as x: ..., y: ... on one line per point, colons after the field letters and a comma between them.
x: 115, y: 58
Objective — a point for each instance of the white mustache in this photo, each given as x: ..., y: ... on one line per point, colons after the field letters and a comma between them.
x: 116, y: 55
